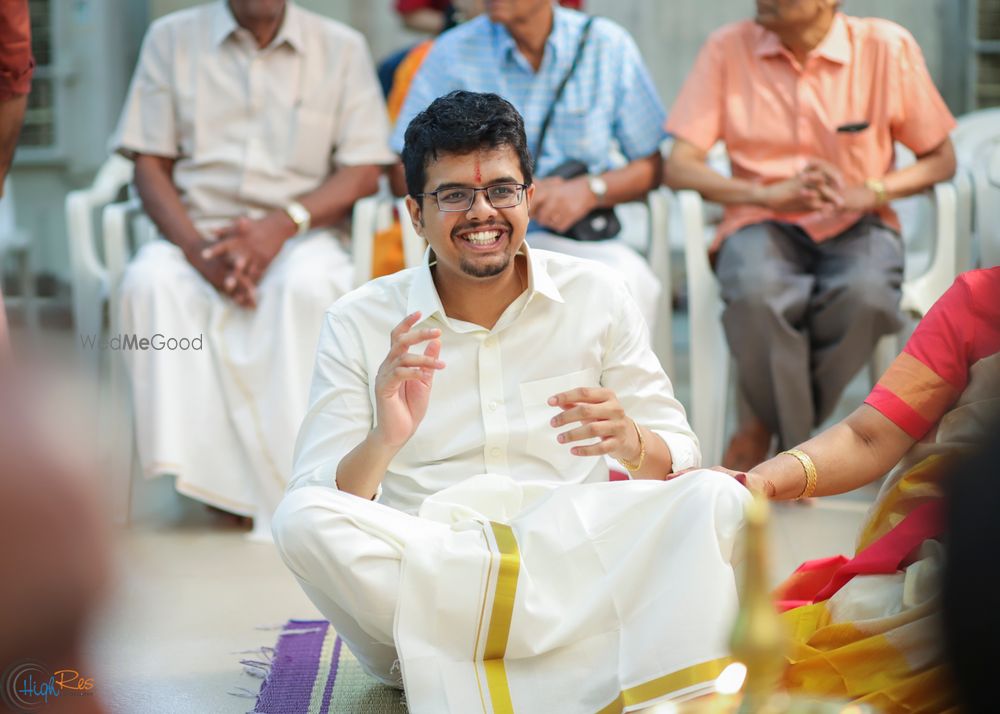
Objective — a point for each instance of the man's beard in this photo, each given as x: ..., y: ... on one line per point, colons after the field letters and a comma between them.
x: 487, y: 269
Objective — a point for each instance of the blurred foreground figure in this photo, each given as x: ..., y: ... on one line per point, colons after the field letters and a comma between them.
x: 972, y: 631
x: 16, y: 65
x: 55, y: 565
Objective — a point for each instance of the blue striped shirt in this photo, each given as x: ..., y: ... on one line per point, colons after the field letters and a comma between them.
x: 610, y: 103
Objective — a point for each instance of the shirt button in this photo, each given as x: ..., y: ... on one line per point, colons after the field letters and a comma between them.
x: 493, y: 406
x: 490, y: 342
x: 495, y: 452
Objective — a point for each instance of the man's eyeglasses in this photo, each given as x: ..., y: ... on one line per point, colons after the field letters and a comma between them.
x: 501, y: 195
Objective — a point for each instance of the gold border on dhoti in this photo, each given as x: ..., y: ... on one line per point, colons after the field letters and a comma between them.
x: 503, y: 544
x: 662, y: 686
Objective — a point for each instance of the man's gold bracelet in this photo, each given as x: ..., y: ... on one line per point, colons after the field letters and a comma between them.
x: 810, y: 471
x: 632, y: 468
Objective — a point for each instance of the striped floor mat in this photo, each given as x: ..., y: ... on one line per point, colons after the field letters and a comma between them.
x: 313, y: 672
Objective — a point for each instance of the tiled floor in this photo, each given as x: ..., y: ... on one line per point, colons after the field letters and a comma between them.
x: 193, y: 591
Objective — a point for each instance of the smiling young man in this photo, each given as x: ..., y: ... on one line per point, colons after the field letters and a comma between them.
x: 451, y: 465
x: 608, y: 118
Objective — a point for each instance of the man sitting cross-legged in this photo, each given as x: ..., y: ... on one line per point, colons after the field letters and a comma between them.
x: 450, y: 505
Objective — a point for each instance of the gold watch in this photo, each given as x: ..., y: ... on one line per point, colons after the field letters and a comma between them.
x: 877, y: 186
x: 300, y: 216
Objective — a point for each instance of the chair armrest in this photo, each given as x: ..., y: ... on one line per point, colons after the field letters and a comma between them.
x: 923, y: 291
x: 658, y: 256
x: 709, y: 363
x: 80, y: 205
x: 80, y: 231
x: 363, y: 219
x: 413, y: 243
x: 115, y: 221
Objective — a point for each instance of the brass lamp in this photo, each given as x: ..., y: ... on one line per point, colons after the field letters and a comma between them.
x: 758, y: 644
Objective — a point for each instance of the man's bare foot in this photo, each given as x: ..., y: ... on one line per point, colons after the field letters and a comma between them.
x: 748, y: 447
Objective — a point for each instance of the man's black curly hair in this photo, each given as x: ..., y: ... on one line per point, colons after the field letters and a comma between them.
x: 462, y: 122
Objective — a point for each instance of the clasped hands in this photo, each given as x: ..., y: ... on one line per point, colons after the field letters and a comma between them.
x: 236, y: 260
x: 819, y: 186
x: 560, y: 203
x: 403, y: 386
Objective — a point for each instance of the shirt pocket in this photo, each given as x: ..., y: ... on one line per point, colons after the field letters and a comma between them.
x: 310, y: 144
x: 540, y: 440
x: 861, y: 150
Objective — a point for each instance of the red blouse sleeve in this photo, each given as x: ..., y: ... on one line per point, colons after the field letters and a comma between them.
x: 933, y: 369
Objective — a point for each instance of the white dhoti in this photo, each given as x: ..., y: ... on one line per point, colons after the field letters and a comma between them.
x: 223, y: 419
x: 504, y: 597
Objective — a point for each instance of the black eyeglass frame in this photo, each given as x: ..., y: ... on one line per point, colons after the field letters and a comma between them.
x: 521, y: 187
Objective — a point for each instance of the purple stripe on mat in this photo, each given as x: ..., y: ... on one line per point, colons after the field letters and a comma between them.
x: 328, y: 692
x: 288, y: 687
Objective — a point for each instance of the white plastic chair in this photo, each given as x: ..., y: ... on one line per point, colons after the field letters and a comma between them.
x: 977, y: 144
x: 124, y: 228
x: 948, y: 239
x: 89, y: 271
x: 17, y: 241
x: 413, y: 244
x: 988, y: 211
x: 370, y: 215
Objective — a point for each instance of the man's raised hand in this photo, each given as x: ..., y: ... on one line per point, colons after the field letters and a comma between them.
x: 602, y: 417
x: 404, y: 379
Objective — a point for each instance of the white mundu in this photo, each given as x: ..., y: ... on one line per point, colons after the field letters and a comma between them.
x: 502, y: 572
x: 250, y: 129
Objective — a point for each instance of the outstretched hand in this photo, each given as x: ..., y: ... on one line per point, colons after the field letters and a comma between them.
x: 404, y: 380
x: 753, y: 482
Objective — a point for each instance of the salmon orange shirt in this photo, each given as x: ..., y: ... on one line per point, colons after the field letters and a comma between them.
x: 774, y: 115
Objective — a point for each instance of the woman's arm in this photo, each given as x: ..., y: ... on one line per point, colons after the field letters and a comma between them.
x: 850, y: 454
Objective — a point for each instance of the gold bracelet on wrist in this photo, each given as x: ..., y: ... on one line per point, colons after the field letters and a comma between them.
x: 632, y: 468
x: 810, y: 472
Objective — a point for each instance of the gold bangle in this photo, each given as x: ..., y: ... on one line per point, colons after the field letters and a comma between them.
x: 810, y: 471
x: 632, y: 468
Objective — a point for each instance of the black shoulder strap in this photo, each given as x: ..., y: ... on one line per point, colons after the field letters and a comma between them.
x: 562, y: 85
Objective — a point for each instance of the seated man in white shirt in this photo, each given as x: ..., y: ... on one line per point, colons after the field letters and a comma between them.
x: 254, y: 126
x: 451, y: 465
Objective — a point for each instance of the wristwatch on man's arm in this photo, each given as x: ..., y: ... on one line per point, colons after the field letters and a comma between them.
x: 300, y: 216
x: 877, y: 186
x: 598, y: 187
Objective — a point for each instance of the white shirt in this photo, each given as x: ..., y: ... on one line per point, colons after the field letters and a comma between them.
x: 575, y: 326
x: 252, y: 128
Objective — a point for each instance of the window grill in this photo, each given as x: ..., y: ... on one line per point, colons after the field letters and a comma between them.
x: 39, y: 130
x: 986, y: 58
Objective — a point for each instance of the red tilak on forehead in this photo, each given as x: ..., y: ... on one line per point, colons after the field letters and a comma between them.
x: 479, y: 174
